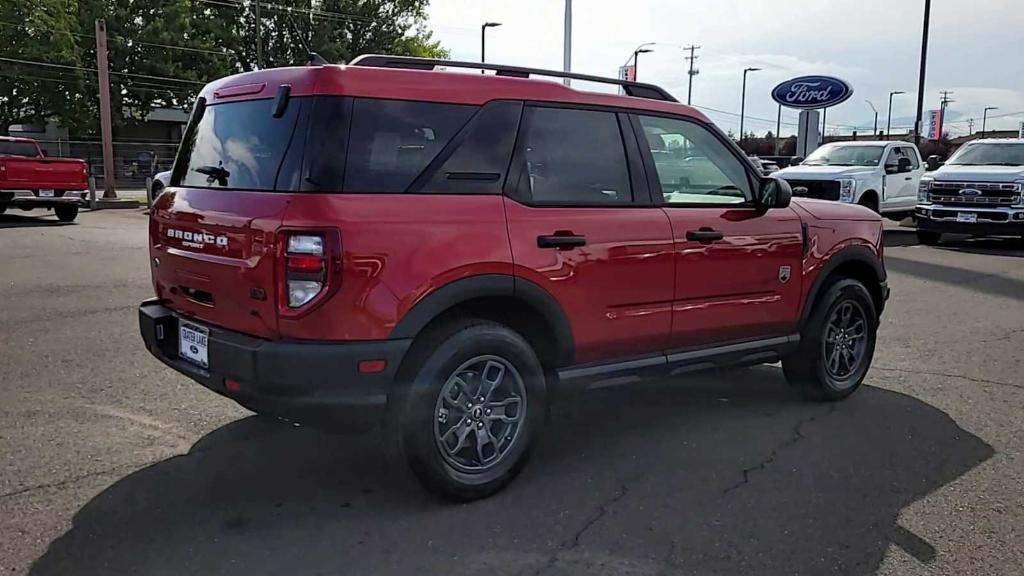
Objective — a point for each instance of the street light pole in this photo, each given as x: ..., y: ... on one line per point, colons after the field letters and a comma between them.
x: 483, y: 39
x: 743, y: 99
x: 875, y: 132
x: 984, y: 118
x: 888, y: 118
x: 920, y: 78
x: 567, y: 42
x: 641, y: 49
x: 778, y: 128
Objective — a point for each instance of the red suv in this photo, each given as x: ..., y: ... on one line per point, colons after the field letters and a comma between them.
x: 384, y: 241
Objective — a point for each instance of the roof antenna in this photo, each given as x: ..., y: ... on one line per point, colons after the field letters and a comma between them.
x: 316, y: 60
x: 313, y: 59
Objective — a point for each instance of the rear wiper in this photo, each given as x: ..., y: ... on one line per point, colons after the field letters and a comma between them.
x: 215, y: 173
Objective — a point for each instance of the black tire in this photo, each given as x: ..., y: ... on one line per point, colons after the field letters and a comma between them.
x: 3, y: 208
x: 419, y: 418
x: 806, y: 369
x: 868, y: 201
x: 928, y: 237
x: 66, y: 212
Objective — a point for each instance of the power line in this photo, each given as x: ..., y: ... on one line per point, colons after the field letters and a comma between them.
x: 280, y: 8
x: 82, y: 68
x: 129, y: 41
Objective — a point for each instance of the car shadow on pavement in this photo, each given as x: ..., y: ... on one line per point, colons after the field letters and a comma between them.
x: 725, y: 473
x: 19, y: 221
x: 994, y: 284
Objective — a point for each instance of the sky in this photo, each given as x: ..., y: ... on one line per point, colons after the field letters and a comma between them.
x: 974, y: 52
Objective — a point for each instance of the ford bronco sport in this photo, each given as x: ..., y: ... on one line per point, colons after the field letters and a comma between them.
x: 441, y: 251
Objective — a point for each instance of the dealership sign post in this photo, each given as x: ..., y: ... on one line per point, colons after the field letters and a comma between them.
x: 810, y: 94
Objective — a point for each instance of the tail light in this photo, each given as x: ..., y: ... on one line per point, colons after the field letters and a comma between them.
x: 310, y: 269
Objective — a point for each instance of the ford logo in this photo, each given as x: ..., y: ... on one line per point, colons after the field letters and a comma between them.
x: 970, y: 192
x: 812, y: 92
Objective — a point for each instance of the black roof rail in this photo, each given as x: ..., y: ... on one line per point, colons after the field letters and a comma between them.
x: 637, y: 89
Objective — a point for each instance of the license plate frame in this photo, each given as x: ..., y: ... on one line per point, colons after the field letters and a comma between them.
x: 46, y: 193
x: 194, y: 344
x: 967, y: 217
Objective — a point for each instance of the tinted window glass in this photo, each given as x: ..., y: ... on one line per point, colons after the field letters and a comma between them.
x: 479, y: 163
x: 390, y: 141
x: 693, y: 166
x: 573, y: 157
x: 8, y: 148
x: 237, y: 145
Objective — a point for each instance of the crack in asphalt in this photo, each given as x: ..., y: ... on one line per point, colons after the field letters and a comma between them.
x: 72, y: 480
x: 569, y: 544
x: 948, y: 375
x: 796, y: 437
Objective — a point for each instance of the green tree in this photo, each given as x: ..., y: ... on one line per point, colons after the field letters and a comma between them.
x: 161, y: 52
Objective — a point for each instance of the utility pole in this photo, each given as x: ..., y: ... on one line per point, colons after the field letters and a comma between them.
x: 259, y: 37
x: 109, y: 189
x: 567, y: 41
x: 970, y: 126
x: 942, y: 112
x: 920, y: 78
x: 693, y: 72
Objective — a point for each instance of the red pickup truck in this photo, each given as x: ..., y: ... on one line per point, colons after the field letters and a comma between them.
x: 51, y: 183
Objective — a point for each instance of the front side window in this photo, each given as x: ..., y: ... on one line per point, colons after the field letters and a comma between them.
x: 909, y: 153
x: 892, y: 160
x: 237, y: 145
x: 840, y: 155
x: 572, y: 157
x: 693, y: 166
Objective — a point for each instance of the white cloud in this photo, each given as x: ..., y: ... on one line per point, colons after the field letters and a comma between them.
x: 873, y: 44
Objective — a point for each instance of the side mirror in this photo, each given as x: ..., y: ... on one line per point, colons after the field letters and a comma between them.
x: 796, y: 160
x: 903, y: 165
x: 934, y: 163
x: 44, y: 153
x: 774, y: 193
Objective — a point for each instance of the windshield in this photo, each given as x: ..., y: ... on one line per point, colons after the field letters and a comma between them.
x: 845, y: 156
x: 989, y: 155
x: 8, y: 148
x: 237, y: 145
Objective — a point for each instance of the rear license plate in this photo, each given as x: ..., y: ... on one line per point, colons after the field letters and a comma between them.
x: 968, y: 217
x: 46, y: 193
x: 193, y: 343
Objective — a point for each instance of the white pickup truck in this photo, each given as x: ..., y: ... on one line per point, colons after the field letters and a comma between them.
x: 882, y: 176
x: 978, y: 192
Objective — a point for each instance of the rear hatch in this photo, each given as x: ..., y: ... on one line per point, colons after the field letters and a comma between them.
x: 213, y: 231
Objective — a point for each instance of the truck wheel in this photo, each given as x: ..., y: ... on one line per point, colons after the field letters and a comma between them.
x: 836, y: 345
x: 869, y: 202
x: 468, y: 416
x: 66, y: 212
x: 928, y: 238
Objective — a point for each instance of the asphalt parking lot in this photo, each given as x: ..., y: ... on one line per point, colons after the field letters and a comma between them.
x: 113, y: 464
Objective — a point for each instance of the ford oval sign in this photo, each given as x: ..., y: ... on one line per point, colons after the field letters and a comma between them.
x: 812, y: 92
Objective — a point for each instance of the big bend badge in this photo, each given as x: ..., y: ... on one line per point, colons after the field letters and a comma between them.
x: 784, y: 274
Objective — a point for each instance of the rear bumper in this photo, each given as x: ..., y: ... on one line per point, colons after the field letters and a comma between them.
x: 29, y: 201
x: 313, y: 383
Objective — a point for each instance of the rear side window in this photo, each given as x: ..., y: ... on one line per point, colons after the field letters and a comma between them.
x: 236, y: 145
x: 391, y: 142
x: 573, y: 157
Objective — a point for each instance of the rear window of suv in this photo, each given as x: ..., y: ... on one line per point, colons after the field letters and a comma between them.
x: 236, y: 145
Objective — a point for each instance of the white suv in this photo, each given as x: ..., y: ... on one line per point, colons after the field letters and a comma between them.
x: 882, y: 176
